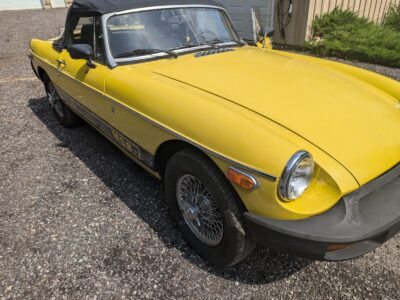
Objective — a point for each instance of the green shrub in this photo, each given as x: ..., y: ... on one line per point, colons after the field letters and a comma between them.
x: 344, y: 34
x: 329, y: 22
x: 392, y: 17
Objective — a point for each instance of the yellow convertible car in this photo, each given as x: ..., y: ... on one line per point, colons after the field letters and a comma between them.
x: 254, y: 145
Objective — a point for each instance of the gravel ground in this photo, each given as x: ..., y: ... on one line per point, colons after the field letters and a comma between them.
x: 78, y: 219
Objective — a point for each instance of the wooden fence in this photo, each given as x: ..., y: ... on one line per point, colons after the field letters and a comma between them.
x: 371, y: 9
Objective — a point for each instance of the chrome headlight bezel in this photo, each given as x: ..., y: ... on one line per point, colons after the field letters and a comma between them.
x: 291, y: 167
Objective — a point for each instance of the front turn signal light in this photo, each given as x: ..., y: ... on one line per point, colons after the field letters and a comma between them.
x: 246, y: 181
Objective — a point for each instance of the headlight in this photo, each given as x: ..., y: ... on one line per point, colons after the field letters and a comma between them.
x: 297, y: 176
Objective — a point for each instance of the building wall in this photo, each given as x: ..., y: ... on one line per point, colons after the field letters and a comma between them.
x: 20, y: 4
x: 296, y: 30
x: 240, y: 12
x: 58, y: 3
x: 32, y: 4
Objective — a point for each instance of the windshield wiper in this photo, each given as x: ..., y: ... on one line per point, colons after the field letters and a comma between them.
x: 212, y: 43
x: 139, y: 52
x: 216, y: 41
x: 186, y: 46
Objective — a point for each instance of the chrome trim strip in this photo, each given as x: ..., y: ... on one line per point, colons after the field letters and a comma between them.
x: 252, y: 178
x: 267, y: 176
x: 164, y: 7
x: 110, y: 59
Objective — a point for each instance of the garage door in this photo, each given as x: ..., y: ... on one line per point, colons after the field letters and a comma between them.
x: 57, y: 3
x: 20, y: 4
x: 240, y: 12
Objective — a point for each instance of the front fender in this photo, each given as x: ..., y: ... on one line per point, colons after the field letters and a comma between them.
x: 232, y: 136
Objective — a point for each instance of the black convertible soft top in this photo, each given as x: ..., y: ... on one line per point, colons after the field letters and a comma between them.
x: 101, y: 7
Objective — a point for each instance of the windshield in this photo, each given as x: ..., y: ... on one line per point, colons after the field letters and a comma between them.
x: 167, y: 29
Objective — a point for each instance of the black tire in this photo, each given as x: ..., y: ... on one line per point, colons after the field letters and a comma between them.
x: 236, y: 244
x: 63, y: 113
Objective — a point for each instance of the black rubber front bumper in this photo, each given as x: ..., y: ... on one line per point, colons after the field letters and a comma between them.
x: 358, y: 224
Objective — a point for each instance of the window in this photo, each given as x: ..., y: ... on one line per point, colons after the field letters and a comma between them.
x: 88, y: 31
x: 168, y: 29
x: 83, y: 33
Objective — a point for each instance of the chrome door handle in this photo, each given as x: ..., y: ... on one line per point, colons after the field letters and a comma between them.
x: 61, y: 62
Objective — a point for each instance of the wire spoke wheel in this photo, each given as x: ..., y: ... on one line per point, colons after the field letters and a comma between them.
x: 205, y: 207
x: 54, y: 100
x: 199, y: 210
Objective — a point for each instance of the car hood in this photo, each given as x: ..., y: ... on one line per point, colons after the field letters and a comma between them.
x: 352, y: 121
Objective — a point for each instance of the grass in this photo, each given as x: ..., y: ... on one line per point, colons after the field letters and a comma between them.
x: 344, y: 34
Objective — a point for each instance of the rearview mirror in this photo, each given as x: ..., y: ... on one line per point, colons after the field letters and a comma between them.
x: 81, y: 51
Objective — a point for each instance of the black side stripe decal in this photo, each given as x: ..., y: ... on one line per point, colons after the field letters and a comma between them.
x: 118, y: 138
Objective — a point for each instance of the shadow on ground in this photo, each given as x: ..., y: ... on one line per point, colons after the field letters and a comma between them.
x: 126, y: 179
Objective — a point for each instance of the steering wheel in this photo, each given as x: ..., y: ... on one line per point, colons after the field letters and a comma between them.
x: 206, y: 35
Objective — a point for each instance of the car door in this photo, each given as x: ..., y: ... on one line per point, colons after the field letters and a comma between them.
x: 83, y: 85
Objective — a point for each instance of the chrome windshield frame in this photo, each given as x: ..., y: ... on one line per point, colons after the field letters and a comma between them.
x: 113, y: 62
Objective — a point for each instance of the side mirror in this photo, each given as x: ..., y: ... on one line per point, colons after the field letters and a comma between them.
x: 81, y: 51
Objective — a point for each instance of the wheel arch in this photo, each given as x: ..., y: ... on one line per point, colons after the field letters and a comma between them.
x: 168, y: 149
x: 43, y: 75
